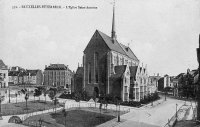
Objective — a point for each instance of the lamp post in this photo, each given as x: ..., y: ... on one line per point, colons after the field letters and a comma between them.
x: 9, y: 93
x: 65, y: 115
x: 0, y: 108
x: 119, y: 113
x: 40, y: 122
x: 176, y: 112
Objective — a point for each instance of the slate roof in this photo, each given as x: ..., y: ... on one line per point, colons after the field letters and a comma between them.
x: 16, y: 67
x: 129, y: 52
x: 13, y: 73
x: 196, y: 78
x: 119, y: 71
x: 31, y: 72
x: 2, y: 65
x: 116, y: 46
x: 155, y: 77
x: 178, y: 76
x: 22, y: 73
x: 133, y: 71
x: 56, y: 67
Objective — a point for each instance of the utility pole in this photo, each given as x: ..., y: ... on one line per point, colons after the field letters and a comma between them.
x: 198, y: 85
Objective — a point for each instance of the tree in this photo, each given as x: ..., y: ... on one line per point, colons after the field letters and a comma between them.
x: 26, y: 98
x: 45, y: 94
x: 37, y: 93
x: 78, y: 97
x: 55, y: 102
x: 51, y: 94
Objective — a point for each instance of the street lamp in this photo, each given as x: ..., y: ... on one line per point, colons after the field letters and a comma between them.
x: 65, y: 115
x: 119, y: 113
x: 26, y: 98
x: 0, y: 108
x: 9, y: 93
x: 40, y: 122
x: 176, y: 112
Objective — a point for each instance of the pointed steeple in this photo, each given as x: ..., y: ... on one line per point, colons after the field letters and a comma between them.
x: 113, y: 32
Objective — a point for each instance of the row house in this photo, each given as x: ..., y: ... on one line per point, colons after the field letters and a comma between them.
x: 3, y: 75
x: 13, y: 77
x: 26, y: 77
x: 153, y: 83
x: 185, y: 84
x: 58, y: 75
x: 139, y: 83
x: 164, y: 82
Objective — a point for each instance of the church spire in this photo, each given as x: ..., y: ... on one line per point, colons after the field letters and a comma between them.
x: 113, y: 32
x: 199, y: 40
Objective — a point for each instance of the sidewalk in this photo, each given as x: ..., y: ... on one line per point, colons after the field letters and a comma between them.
x: 185, y: 112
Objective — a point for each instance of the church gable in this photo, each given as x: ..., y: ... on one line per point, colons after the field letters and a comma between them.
x: 96, y: 43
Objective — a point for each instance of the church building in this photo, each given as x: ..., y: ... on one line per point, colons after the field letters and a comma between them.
x: 108, y: 68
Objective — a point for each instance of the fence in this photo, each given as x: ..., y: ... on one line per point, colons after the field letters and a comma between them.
x: 76, y: 105
x: 123, y: 109
x: 88, y: 106
x: 179, y: 115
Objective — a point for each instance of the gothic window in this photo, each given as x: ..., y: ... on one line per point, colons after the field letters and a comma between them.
x: 115, y: 60
x: 126, y: 62
x: 96, y: 59
x: 89, y: 73
x: 121, y: 60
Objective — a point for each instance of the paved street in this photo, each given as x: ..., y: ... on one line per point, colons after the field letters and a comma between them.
x: 152, y: 116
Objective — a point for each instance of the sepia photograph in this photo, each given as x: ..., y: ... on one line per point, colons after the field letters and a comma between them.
x: 99, y: 63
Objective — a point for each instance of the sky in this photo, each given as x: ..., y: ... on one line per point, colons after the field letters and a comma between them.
x: 163, y: 34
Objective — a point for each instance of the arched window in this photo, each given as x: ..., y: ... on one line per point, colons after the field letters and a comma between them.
x: 96, y: 60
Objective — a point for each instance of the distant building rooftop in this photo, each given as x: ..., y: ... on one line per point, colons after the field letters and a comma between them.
x: 56, y: 67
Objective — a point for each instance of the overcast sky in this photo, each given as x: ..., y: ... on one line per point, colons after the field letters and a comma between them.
x: 163, y: 34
